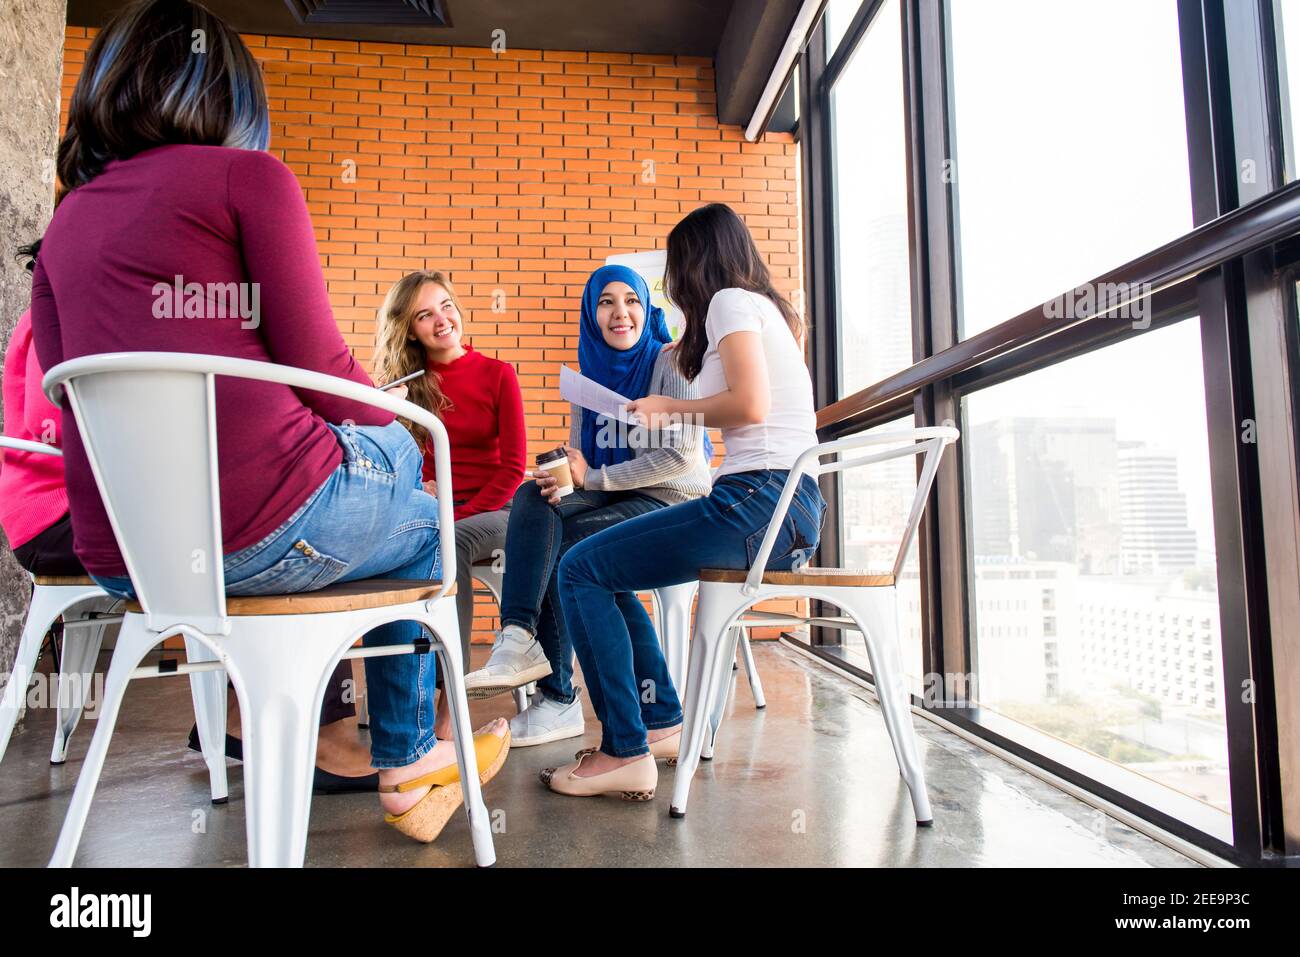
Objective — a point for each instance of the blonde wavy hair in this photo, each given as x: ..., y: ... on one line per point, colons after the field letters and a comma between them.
x: 399, y: 353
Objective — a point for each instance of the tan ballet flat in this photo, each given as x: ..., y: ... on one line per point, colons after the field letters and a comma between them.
x: 631, y: 782
x: 665, y: 749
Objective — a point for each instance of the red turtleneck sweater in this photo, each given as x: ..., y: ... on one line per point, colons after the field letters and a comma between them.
x: 485, y: 424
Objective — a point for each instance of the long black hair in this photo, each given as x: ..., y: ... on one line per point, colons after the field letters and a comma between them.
x: 27, y: 254
x: 710, y: 250
x: 160, y: 72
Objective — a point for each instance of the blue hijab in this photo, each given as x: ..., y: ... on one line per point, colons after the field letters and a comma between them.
x: 628, y: 371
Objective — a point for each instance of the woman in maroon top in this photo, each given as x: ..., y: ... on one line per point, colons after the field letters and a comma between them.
x: 421, y: 326
x: 169, y: 194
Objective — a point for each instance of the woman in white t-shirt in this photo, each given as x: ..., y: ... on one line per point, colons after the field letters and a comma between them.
x: 742, y: 347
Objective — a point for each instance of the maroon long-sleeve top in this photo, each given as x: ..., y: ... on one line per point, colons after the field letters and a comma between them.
x: 105, y: 281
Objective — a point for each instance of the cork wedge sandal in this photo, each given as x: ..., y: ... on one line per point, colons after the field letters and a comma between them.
x: 425, y: 820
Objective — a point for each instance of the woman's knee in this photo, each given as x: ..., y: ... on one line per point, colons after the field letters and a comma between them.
x: 527, y: 498
x: 575, y: 567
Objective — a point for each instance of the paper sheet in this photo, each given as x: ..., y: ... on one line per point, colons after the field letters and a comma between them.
x: 592, y: 396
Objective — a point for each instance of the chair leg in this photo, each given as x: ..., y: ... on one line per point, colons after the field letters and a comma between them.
x: 208, y: 689
x: 875, y: 614
x: 707, y: 673
x: 279, y: 667
x: 77, y: 663
x: 363, y: 711
x: 755, y: 682
x: 718, y: 706
x: 45, y: 607
x: 362, y: 694
x: 442, y: 621
x: 672, y: 606
x: 521, y: 697
x: 133, y: 643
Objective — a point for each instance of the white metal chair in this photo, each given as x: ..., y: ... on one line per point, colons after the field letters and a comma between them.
x: 672, y: 618
x: 672, y: 621
x: 487, y: 575
x: 147, y: 421
x: 490, y: 577
x: 869, y: 599
x: 85, y: 610
x: 84, y: 607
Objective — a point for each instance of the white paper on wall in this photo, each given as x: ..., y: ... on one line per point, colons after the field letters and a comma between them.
x: 651, y: 266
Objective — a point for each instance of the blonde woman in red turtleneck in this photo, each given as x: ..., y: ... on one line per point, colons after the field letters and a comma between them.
x: 421, y: 326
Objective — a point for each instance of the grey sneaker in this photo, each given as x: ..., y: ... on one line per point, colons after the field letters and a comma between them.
x: 517, y: 659
x: 545, y: 720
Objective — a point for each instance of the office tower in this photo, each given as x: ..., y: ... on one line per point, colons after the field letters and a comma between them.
x: 1156, y: 538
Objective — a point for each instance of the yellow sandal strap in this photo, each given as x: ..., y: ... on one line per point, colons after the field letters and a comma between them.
x: 449, y: 774
x: 412, y: 784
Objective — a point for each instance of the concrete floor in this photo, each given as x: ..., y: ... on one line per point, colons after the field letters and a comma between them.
x: 810, y: 782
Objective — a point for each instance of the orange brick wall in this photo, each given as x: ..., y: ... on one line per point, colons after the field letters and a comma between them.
x: 519, y: 173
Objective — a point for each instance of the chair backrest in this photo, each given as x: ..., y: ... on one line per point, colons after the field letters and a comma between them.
x: 148, y: 424
x: 25, y: 445
x: 929, y: 442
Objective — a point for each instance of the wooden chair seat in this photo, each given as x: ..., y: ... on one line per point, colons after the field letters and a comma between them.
x: 64, y: 580
x: 345, y: 596
x: 819, y: 577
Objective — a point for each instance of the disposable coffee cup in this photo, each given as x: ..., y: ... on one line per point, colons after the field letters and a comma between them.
x: 556, y: 462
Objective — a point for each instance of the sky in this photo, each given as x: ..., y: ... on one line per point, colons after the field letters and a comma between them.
x: 1070, y: 159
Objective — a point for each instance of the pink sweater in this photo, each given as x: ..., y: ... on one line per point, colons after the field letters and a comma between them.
x: 32, y: 494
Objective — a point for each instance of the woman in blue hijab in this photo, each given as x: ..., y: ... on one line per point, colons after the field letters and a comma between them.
x: 617, y: 474
x: 621, y: 358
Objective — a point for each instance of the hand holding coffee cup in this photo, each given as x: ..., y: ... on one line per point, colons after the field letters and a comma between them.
x: 553, y: 476
x: 577, y: 466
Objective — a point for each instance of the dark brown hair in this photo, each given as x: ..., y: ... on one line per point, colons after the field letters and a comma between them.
x: 708, y: 251
x: 160, y: 72
x: 27, y: 254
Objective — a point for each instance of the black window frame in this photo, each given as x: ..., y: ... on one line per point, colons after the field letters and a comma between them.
x: 1234, y: 274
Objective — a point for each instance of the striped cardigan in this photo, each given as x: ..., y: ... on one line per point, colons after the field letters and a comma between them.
x: 667, y: 465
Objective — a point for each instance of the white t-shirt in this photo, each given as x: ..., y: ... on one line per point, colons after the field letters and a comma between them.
x: 791, y: 425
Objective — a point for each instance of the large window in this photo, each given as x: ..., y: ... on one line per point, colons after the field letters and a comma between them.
x: 1069, y: 145
x: 875, y: 503
x: 1095, y: 601
x: 1105, y: 585
x: 873, y: 301
x: 839, y: 14
x: 1287, y: 29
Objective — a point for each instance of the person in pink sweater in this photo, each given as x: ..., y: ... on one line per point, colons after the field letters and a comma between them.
x: 33, y: 497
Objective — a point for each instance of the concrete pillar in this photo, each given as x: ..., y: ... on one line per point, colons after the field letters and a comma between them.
x: 31, y: 67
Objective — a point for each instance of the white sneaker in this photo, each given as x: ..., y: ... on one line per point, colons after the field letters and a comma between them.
x: 545, y: 720
x: 517, y: 659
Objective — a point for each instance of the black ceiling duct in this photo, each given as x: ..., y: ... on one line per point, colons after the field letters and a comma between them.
x: 414, y: 13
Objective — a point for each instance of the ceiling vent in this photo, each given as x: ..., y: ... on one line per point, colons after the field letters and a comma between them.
x: 409, y: 13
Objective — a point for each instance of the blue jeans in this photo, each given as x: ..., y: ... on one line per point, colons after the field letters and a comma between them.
x: 627, y: 679
x: 370, y: 519
x: 537, y: 538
